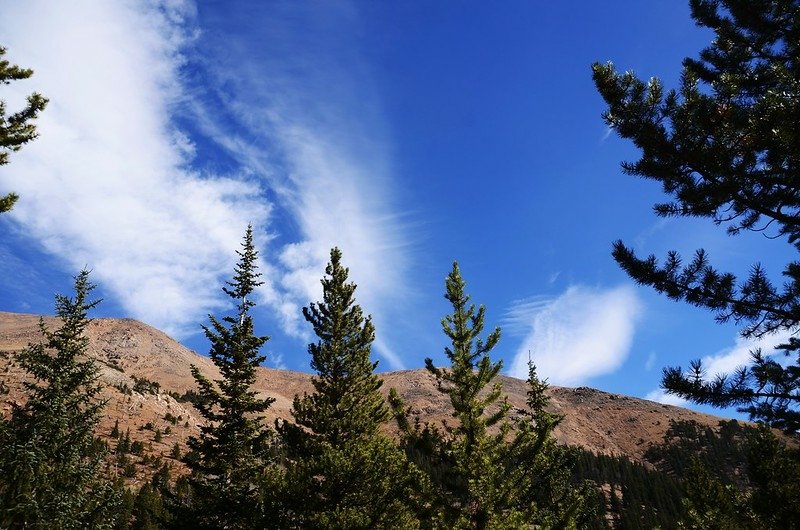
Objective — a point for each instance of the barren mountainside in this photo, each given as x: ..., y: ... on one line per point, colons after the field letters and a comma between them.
x: 144, y: 373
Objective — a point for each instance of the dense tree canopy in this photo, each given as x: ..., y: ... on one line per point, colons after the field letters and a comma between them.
x: 342, y: 472
x: 50, y: 460
x: 735, y: 476
x: 18, y: 128
x: 724, y: 146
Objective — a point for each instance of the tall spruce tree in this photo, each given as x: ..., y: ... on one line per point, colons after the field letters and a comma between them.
x: 16, y: 129
x: 50, y: 459
x: 724, y: 146
x: 488, y: 473
x: 231, y: 454
x: 342, y: 472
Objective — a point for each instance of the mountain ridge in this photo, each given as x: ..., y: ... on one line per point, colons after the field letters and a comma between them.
x: 144, y: 374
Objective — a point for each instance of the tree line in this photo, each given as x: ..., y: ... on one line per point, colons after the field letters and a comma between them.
x: 332, y: 467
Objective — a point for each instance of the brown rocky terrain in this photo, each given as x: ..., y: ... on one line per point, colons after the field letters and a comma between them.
x: 144, y: 373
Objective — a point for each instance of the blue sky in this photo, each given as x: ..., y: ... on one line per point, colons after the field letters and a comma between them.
x: 410, y: 134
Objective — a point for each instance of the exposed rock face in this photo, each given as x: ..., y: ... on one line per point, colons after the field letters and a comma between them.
x: 128, y: 352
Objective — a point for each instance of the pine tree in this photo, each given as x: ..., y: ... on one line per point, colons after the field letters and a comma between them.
x: 538, y: 471
x: 488, y: 473
x: 233, y: 448
x: 342, y: 472
x: 472, y: 496
x: 147, y: 508
x: 50, y: 459
x: 774, y: 472
x: 16, y: 129
x: 725, y: 147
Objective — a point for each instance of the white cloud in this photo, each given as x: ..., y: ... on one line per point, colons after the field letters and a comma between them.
x: 339, y: 199
x: 106, y: 185
x: 581, y: 334
x: 110, y: 184
x: 660, y: 396
x: 729, y: 359
x: 311, y: 125
x: 519, y: 317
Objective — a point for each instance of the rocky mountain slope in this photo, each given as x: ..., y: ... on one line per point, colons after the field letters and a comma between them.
x: 145, y: 373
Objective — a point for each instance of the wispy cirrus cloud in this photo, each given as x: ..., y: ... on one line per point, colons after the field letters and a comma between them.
x: 301, y: 113
x: 580, y: 334
x: 108, y: 184
x: 285, y: 108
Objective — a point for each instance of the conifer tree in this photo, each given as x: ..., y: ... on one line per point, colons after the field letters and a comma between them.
x: 474, y: 454
x: 735, y: 476
x: 342, y: 472
x: 50, y: 459
x: 233, y: 448
x: 16, y: 129
x: 488, y: 473
x: 539, y: 471
x: 774, y: 471
x: 346, y: 403
x: 724, y: 146
x: 712, y: 505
